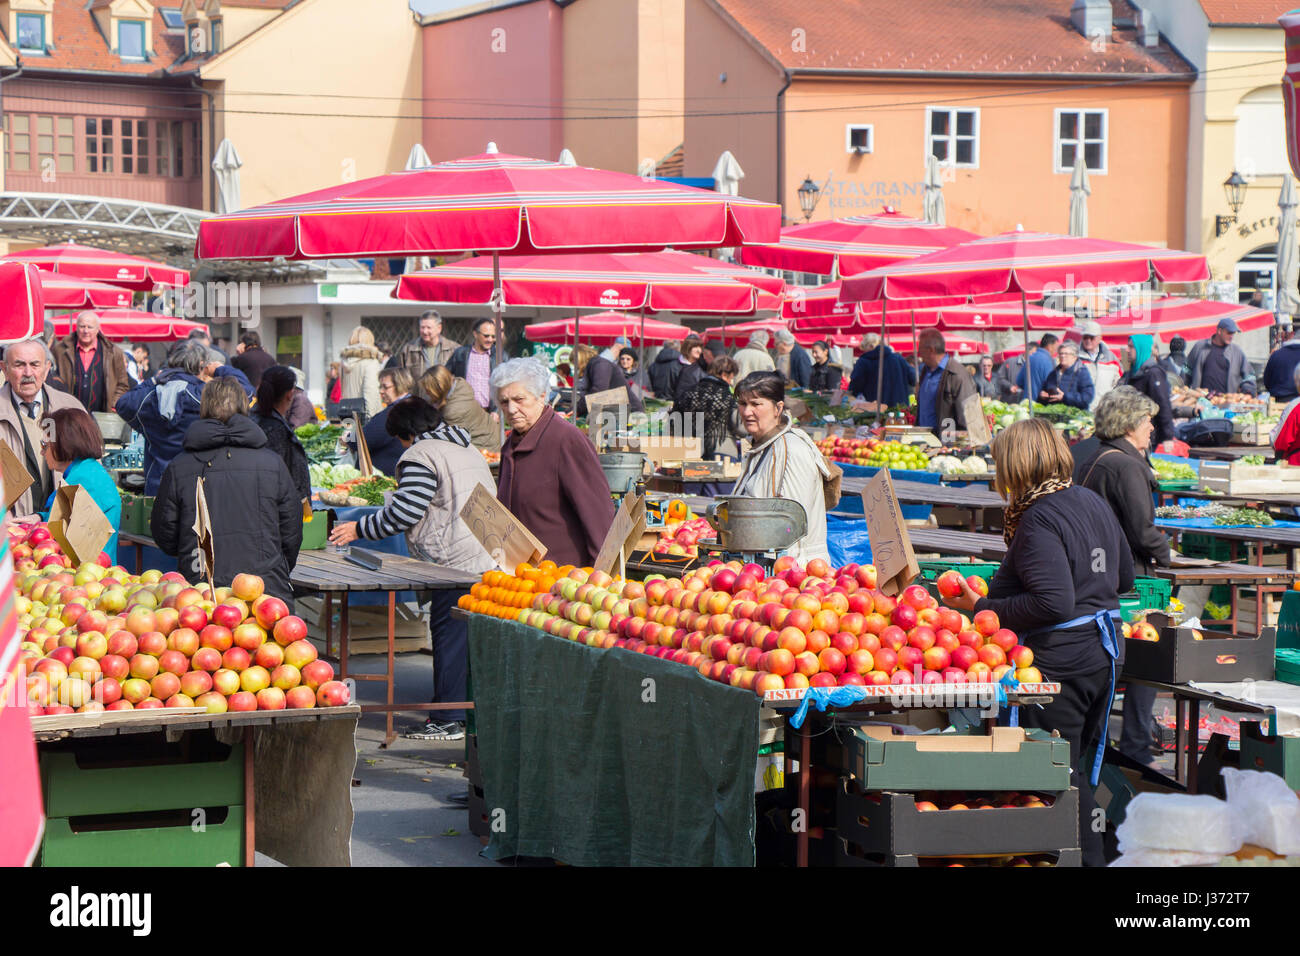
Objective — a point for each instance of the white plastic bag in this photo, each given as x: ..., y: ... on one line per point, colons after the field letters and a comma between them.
x: 1145, y: 857
x: 1178, y: 821
x: 1267, y: 810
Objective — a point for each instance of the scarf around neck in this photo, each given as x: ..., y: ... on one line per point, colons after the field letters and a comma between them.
x: 1014, y: 511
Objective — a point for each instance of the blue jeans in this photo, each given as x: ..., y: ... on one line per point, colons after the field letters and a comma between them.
x: 450, y: 654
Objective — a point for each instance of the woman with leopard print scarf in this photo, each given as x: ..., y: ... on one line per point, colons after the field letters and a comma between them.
x: 1066, y: 564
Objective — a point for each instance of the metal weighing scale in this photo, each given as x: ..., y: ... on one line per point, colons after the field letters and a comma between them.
x: 624, y: 472
x: 753, y: 530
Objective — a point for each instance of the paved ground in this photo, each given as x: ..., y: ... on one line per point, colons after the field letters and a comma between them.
x: 402, y: 815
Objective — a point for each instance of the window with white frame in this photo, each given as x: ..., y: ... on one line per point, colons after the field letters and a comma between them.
x: 1081, y: 130
x: 952, y: 136
x: 859, y: 138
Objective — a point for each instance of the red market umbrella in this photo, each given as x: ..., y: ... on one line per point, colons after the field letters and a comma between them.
x: 103, y: 265
x: 22, y: 306
x: 956, y: 345
x: 133, y: 324
x: 653, y: 281
x: 65, y: 292
x: 846, y: 247
x: 739, y: 333
x: 1170, y: 315
x: 489, y: 203
x: 603, y: 328
x: 1026, y: 263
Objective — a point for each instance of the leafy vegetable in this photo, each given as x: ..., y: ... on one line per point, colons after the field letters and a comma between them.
x: 1244, y: 516
x: 324, y: 475
x: 372, y: 490
x: 1252, y: 459
x: 1172, y: 470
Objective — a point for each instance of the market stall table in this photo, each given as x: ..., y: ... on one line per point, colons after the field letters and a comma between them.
x: 295, y: 777
x: 331, y: 574
x: 972, y: 499
x: 1231, y: 452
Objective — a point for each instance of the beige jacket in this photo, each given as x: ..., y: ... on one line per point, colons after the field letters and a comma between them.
x: 461, y: 408
x: 11, y: 430
x: 360, y: 368
x: 441, y: 537
x: 753, y: 360
x: 788, y: 465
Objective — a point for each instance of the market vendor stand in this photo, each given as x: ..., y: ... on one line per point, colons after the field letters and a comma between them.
x: 332, y: 575
x: 137, y: 787
x: 973, y: 499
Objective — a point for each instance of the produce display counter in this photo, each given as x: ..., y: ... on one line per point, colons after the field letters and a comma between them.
x: 331, y: 575
x: 157, y: 788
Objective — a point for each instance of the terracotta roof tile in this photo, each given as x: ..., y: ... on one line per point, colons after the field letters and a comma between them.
x: 946, y: 36
x: 1246, y: 12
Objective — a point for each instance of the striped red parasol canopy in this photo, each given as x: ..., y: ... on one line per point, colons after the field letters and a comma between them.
x: 76, y: 261
x: 67, y: 292
x: 22, y: 306
x: 1170, y: 315
x: 604, y: 328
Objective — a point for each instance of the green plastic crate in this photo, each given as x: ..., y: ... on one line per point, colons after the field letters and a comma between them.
x: 1205, y: 546
x: 933, y: 569
x: 315, y: 533
x: 159, y: 782
x: 1148, y: 594
x: 132, y: 514
x: 66, y: 843
x: 1279, y: 755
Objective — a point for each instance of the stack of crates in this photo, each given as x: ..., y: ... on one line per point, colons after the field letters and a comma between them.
x: 136, y: 512
x: 888, y: 783
x: 138, y: 800
x: 1148, y: 594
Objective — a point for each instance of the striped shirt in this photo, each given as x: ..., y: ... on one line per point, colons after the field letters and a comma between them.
x: 478, y: 372
x: 415, y: 490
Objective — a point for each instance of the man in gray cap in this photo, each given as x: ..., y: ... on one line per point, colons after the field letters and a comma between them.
x: 1092, y: 350
x: 1219, y: 366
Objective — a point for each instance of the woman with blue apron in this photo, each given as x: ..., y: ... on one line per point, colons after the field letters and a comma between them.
x: 1058, y: 588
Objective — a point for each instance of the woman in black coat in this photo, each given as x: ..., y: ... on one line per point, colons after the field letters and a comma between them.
x: 1058, y: 588
x: 1142, y: 372
x: 255, y: 509
x: 274, y: 396
x: 600, y: 375
x: 1118, y: 469
x: 713, y: 400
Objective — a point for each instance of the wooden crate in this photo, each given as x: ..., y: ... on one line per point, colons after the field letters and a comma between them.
x: 1250, y: 433
x: 1246, y: 623
x: 1234, y: 478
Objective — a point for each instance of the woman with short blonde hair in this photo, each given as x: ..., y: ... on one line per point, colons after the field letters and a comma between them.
x: 454, y: 397
x: 1058, y: 588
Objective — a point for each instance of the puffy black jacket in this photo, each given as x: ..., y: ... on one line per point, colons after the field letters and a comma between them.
x: 687, y: 379
x: 826, y: 377
x: 1152, y: 382
x: 664, y: 371
x: 281, y: 440
x: 601, y: 375
x: 1123, y: 477
x: 255, y: 509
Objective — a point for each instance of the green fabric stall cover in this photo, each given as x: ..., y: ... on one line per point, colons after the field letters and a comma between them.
x: 599, y: 757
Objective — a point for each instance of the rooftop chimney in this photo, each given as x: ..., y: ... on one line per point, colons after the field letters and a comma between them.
x: 1092, y: 18
x: 1148, y: 29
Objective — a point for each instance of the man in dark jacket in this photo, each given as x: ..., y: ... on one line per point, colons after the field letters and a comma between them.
x: 944, y: 386
x: 899, y: 376
x: 825, y: 376
x: 664, y: 371
x: 475, y: 363
x: 601, y: 375
x: 163, y: 408
x: 1007, y: 375
x: 1069, y: 383
x: 1280, y: 371
x: 1039, y: 366
x: 1175, y: 363
x: 1117, y: 468
x: 1218, y: 365
x: 92, y: 368
x: 791, y: 359
x: 1142, y: 373
x: 255, y: 509
x: 250, y: 358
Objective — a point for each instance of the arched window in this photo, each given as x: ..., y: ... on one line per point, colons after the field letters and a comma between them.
x: 1261, y: 133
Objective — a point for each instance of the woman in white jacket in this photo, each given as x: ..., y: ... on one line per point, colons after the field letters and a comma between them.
x: 783, y: 461
x: 360, y: 370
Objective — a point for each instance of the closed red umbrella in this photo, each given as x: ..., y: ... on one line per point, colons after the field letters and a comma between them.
x: 133, y: 324
x: 103, y: 265
x: 603, y: 328
x: 855, y: 244
x: 22, y: 306
x: 66, y: 292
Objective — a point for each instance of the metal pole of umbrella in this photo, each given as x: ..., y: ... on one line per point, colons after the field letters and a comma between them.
x: 880, y: 362
x: 573, y: 366
x: 916, y: 349
x: 1029, y: 374
x: 498, y: 307
x: 641, y: 361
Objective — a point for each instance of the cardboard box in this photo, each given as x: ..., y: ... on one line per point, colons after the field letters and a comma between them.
x: 888, y: 822
x: 1010, y: 758
x: 1179, y: 657
x: 661, y: 448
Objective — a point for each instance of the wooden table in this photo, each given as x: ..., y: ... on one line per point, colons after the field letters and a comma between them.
x: 1232, y: 452
x: 972, y: 499
x: 330, y: 574
x: 1276, y: 501
x: 139, y: 542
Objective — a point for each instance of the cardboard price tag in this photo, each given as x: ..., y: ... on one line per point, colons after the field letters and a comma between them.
x: 891, y: 547
x: 78, y: 525
x: 502, y: 535
x: 16, y: 477
x: 629, y: 522
x: 364, y: 465
x: 611, y: 396
x: 203, y: 532
x: 977, y: 423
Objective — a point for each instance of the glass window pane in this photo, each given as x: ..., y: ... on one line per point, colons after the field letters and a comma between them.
x: 106, y: 127
x: 65, y: 164
x: 128, y: 146
x: 22, y: 161
x: 66, y: 144
x: 107, y: 164
x: 65, y: 125
x: 21, y: 121
x: 1069, y: 125
x: 939, y: 122
x: 965, y: 123
x: 127, y: 127
x: 22, y: 143
x: 1092, y: 155
x: 130, y: 39
x: 939, y: 149
x: 31, y: 32
x: 45, y: 144
x: 965, y: 151
x: 1067, y: 155
x: 92, y: 163
x: 1092, y: 125
x: 90, y: 126
x: 127, y: 165
x: 45, y: 124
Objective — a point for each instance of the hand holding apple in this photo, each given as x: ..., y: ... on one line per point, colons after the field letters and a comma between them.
x: 967, y: 598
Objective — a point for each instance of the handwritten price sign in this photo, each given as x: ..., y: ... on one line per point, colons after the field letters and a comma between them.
x: 502, y: 535
x: 891, y: 547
